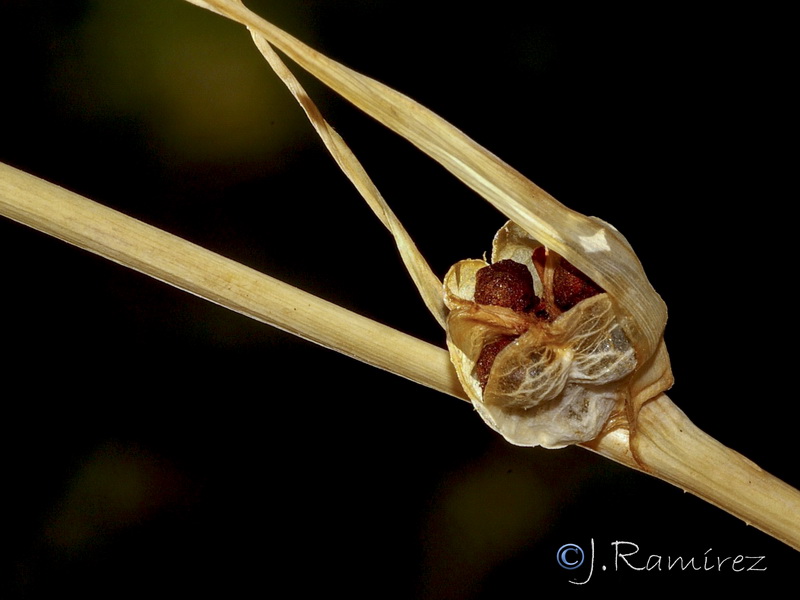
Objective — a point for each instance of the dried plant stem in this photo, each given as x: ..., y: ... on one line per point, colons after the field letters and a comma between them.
x: 668, y: 445
x: 429, y: 286
x: 86, y: 224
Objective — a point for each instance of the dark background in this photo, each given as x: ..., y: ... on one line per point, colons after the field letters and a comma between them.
x: 157, y: 444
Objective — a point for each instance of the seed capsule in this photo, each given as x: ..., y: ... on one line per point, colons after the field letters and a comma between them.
x: 536, y: 344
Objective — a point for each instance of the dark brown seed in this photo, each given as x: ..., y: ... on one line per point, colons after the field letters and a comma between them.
x: 570, y: 286
x: 505, y: 283
x: 486, y: 358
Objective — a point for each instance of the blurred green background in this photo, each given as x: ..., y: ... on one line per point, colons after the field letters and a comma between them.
x: 160, y: 445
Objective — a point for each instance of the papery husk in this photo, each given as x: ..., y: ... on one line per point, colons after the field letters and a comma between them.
x: 542, y: 419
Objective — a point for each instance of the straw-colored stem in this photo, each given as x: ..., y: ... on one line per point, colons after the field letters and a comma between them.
x: 668, y: 445
x: 86, y: 224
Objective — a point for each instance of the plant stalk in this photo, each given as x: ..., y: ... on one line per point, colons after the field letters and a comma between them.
x: 667, y: 445
x: 173, y: 260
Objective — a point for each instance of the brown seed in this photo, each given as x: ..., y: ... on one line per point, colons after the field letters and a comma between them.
x: 570, y: 286
x: 505, y: 283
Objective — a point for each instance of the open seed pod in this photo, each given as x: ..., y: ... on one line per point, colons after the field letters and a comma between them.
x: 545, y: 354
